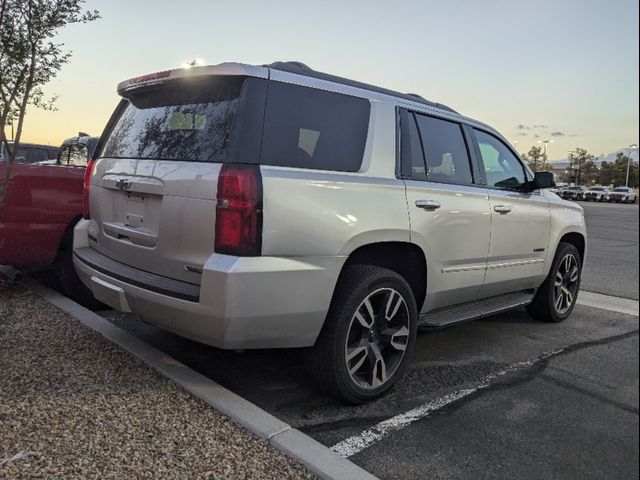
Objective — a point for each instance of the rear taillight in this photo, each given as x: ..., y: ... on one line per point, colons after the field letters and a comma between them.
x: 239, y: 211
x: 85, y: 189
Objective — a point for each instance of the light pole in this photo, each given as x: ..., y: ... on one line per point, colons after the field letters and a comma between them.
x: 633, y: 145
x: 544, y: 157
x: 571, y: 167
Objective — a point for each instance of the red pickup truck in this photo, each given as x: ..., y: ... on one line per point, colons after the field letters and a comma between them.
x: 41, y: 207
x: 42, y: 203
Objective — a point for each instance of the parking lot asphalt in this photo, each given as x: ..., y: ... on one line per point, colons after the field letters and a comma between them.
x: 588, y: 392
x: 502, y: 397
x: 612, y: 261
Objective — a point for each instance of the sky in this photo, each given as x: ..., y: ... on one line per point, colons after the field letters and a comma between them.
x: 562, y: 70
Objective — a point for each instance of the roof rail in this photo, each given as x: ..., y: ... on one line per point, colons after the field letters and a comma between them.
x: 300, y: 68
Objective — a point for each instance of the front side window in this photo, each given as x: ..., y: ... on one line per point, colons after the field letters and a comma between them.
x: 502, y: 167
x: 310, y: 128
x: 445, y: 150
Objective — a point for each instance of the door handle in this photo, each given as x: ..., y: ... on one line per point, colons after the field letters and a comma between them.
x: 428, y: 205
x: 502, y: 209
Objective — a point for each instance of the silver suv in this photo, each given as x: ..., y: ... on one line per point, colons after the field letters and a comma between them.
x: 276, y: 206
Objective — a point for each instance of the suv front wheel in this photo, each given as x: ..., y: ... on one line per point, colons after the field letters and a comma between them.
x: 368, y: 336
x: 556, y: 297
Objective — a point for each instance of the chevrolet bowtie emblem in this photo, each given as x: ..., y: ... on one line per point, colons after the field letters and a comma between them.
x: 123, y: 184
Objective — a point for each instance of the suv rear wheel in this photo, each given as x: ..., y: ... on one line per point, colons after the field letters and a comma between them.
x: 555, y: 299
x: 368, y: 336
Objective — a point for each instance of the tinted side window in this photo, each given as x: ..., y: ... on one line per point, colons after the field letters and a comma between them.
x: 502, y: 168
x: 445, y: 151
x: 309, y: 128
x: 412, y: 155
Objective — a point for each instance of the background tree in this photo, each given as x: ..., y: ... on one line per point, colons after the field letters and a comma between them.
x: 583, y: 167
x: 607, y: 174
x: 619, y: 171
x: 534, y: 157
x: 29, y: 59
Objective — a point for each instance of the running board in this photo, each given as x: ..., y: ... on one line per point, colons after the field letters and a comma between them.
x: 447, y: 316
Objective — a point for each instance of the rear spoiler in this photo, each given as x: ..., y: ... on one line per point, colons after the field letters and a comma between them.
x: 229, y: 68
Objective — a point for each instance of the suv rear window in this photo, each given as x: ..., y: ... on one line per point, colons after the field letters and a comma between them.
x: 191, y: 122
x: 309, y: 128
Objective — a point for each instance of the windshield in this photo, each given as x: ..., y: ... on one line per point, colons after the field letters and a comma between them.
x: 177, y: 122
x: 597, y: 189
x: 620, y: 190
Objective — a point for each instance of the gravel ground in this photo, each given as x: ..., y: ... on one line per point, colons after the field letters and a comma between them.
x: 73, y: 405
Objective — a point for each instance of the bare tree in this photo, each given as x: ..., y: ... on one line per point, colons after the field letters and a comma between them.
x: 582, y: 162
x: 29, y: 59
x: 535, y: 158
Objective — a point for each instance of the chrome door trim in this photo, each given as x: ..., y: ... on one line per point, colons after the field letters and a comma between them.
x: 465, y: 268
x: 517, y: 263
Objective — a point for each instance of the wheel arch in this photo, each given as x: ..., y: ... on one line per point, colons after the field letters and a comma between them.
x: 405, y: 258
x: 577, y: 240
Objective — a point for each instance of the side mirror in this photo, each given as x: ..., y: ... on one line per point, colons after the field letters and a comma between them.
x: 544, y: 180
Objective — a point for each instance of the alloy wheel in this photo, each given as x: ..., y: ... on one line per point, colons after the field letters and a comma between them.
x: 566, y: 284
x: 377, y: 338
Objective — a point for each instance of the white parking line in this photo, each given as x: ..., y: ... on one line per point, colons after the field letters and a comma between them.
x: 352, y: 445
x: 608, y: 302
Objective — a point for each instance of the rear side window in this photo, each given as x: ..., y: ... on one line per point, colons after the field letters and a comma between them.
x: 412, y: 152
x: 309, y: 128
x: 189, y: 122
x: 445, y: 151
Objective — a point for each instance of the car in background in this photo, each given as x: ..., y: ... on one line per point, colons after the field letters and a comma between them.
x: 573, y: 193
x: 623, y: 194
x: 77, y: 151
x: 558, y: 188
x: 31, y: 153
x: 597, y: 194
x: 43, y: 203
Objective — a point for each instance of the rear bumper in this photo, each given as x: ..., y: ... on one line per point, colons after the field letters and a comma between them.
x: 241, y: 302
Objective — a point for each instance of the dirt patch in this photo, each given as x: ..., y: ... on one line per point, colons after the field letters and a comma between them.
x: 73, y: 405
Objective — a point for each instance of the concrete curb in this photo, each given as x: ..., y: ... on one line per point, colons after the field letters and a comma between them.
x: 293, y: 443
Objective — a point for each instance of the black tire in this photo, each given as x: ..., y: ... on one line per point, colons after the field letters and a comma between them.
x: 328, y: 358
x: 68, y: 281
x: 544, y: 307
